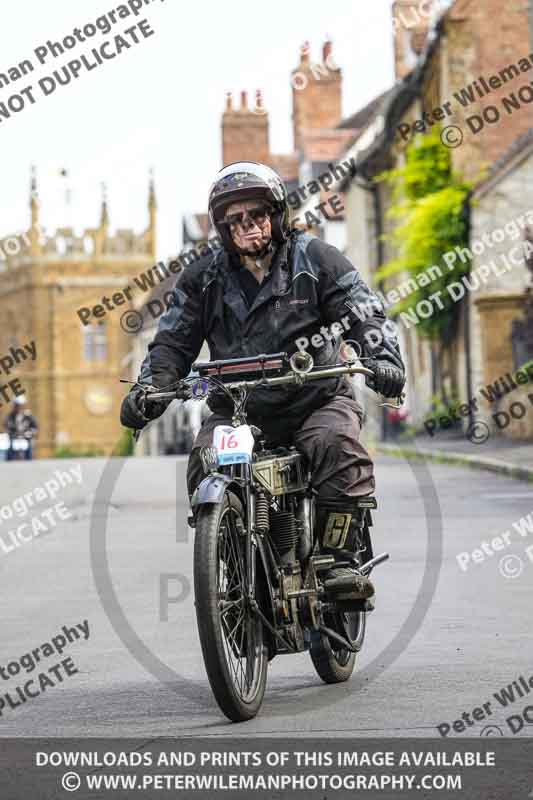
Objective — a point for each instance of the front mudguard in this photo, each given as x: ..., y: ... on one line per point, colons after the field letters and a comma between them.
x: 212, y: 490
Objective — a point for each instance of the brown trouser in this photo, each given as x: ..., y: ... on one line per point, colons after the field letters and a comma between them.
x: 329, y: 439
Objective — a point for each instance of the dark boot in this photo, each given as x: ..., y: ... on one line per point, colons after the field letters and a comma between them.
x: 344, y: 535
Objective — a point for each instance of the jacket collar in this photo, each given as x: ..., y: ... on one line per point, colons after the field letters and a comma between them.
x: 277, y: 285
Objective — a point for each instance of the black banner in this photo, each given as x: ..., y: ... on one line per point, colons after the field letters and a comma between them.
x: 46, y: 769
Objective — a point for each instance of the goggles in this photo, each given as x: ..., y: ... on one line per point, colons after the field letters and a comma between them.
x: 258, y: 215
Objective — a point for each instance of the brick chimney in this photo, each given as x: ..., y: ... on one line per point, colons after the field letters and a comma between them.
x: 316, y: 93
x: 245, y: 131
x: 411, y: 20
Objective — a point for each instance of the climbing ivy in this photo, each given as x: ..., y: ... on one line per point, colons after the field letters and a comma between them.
x: 429, y: 203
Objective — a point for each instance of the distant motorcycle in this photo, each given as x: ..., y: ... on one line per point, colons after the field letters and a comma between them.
x: 19, y: 447
x: 260, y: 581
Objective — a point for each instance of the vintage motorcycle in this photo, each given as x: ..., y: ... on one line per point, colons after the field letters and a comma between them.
x: 260, y: 581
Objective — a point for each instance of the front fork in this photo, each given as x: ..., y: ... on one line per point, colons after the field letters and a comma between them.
x: 249, y: 498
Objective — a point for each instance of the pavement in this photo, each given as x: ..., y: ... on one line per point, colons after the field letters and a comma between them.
x: 442, y: 640
x: 497, y: 454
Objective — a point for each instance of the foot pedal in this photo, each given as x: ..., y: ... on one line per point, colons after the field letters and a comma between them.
x: 348, y: 585
x: 366, y: 568
x: 341, y: 582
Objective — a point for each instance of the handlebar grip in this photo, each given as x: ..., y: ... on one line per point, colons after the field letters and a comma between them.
x: 180, y: 392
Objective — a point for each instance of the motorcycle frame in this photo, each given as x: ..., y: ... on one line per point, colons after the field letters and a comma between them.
x: 240, y: 477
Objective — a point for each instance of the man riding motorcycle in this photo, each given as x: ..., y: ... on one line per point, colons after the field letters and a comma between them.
x: 271, y: 289
x: 22, y: 428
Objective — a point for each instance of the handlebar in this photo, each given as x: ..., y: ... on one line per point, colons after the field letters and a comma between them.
x: 301, y: 371
x: 281, y: 380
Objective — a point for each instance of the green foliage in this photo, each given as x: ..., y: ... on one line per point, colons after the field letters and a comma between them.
x: 74, y: 452
x: 123, y: 448
x: 439, y: 409
x: 427, y: 170
x: 429, y: 203
x: 125, y: 445
x: 527, y: 365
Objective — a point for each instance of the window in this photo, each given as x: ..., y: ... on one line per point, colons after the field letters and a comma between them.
x: 95, y: 342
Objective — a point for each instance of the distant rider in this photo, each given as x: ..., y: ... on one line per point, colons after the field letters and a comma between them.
x: 21, y: 426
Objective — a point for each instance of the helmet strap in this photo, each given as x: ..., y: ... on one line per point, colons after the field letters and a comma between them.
x: 257, y: 255
x: 261, y: 263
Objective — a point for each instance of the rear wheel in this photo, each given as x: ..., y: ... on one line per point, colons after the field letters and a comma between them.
x: 333, y: 663
x: 231, y: 635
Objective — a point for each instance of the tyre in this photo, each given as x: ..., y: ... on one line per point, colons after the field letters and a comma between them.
x: 231, y: 636
x: 332, y: 664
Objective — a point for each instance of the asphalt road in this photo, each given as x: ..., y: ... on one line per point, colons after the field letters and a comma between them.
x: 440, y: 642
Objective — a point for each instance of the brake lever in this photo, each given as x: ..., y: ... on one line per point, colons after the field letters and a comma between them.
x: 399, y: 402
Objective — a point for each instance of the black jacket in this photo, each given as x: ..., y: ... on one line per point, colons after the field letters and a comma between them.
x: 311, y: 286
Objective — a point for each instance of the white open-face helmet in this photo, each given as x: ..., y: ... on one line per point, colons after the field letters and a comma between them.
x: 248, y: 180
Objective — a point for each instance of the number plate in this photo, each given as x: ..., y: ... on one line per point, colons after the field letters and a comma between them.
x: 233, y: 445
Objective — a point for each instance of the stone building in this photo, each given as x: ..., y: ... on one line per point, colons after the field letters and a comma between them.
x: 504, y: 202
x: 316, y: 114
x: 411, y: 20
x: 72, y: 385
x: 449, y: 73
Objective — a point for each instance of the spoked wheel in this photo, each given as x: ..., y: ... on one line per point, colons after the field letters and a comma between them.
x: 336, y: 665
x: 231, y: 635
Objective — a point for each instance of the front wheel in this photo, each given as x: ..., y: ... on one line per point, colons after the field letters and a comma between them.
x: 231, y: 635
x: 332, y: 664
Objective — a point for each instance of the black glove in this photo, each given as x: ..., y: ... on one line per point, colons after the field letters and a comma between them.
x: 184, y: 391
x: 135, y: 412
x: 387, y: 380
